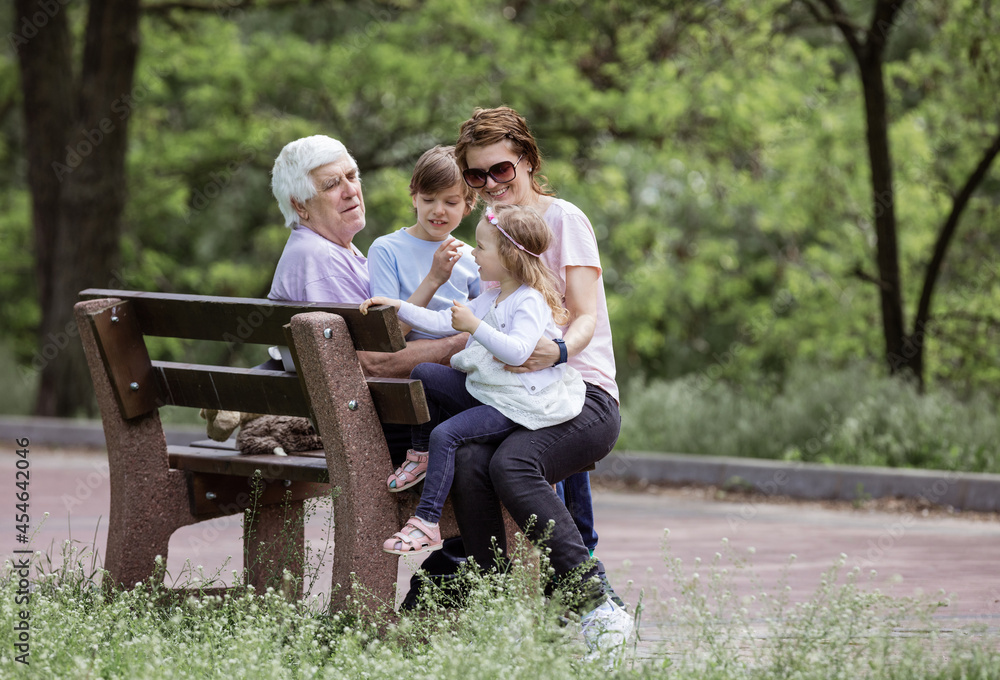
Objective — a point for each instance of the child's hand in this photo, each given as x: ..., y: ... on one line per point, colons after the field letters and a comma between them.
x: 378, y: 300
x: 462, y: 318
x: 445, y: 257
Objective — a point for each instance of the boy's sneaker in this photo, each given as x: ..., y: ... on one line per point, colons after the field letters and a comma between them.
x: 607, y: 628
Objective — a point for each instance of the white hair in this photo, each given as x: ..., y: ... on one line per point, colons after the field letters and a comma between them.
x: 290, y: 178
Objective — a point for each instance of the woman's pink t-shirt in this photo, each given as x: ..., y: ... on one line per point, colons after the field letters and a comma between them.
x: 575, y: 245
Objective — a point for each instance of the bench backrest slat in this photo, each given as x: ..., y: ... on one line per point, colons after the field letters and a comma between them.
x: 400, y: 401
x: 230, y: 389
x: 251, y: 390
x: 249, y: 320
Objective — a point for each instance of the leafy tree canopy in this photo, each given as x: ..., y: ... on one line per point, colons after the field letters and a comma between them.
x: 718, y: 149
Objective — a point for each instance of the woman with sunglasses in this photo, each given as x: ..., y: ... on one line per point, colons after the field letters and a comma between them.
x: 500, y: 159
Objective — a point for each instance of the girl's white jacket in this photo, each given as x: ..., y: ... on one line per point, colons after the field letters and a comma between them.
x: 522, y: 319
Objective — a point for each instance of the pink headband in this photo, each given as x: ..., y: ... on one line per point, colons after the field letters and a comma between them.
x: 492, y: 219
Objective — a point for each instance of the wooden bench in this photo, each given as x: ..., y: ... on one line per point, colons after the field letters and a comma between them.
x: 156, y: 489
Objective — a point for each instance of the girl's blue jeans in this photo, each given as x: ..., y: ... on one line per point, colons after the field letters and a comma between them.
x: 457, y: 418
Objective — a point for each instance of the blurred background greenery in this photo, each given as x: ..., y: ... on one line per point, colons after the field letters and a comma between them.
x: 718, y: 148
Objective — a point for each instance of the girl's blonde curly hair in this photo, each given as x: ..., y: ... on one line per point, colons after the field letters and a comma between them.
x: 527, y: 227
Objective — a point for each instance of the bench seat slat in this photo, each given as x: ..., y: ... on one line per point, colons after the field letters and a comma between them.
x: 250, y: 320
x: 229, y: 446
x: 297, y: 467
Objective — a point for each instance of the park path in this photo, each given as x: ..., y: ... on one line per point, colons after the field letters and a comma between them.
x: 911, y: 552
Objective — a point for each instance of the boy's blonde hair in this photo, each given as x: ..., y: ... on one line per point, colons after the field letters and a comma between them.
x: 527, y: 227
x: 437, y: 170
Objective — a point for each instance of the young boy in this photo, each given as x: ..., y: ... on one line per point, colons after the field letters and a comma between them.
x: 425, y: 266
x: 422, y: 263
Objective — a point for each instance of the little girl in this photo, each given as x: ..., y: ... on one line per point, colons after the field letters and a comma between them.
x: 480, y: 400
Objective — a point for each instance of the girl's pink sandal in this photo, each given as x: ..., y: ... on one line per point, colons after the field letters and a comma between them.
x: 409, y: 473
x: 414, y: 538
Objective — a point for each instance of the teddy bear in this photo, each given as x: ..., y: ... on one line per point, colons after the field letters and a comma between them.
x: 279, y: 435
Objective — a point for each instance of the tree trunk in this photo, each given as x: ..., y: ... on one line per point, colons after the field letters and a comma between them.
x: 76, y: 142
x: 898, y: 350
x: 869, y: 55
x: 47, y: 78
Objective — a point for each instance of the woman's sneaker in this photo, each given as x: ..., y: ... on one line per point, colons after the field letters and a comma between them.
x: 607, y: 628
x: 603, y: 577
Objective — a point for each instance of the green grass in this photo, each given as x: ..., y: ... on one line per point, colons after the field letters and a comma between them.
x: 507, y: 629
x: 852, y: 416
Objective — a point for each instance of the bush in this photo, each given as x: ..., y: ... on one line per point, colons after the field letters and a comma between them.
x: 20, y: 383
x: 853, y: 415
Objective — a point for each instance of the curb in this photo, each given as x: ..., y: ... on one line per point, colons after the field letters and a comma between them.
x: 979, y: 492
x: 67, y: 432
x: 969, y: 491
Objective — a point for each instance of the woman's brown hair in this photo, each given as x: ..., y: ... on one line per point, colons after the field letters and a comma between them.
x: 502, y: 124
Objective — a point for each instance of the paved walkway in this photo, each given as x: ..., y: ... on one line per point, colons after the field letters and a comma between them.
x: 910, y: 551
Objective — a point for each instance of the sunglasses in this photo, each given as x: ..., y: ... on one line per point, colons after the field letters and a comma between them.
x: 501, y: 173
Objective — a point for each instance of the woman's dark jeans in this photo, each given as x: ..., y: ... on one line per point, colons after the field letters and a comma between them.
x: 519, y: 474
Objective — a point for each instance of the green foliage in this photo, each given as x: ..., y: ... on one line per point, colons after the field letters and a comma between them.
x: 851, y: 416
x: 718, y: 149
x: 19, y: 382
